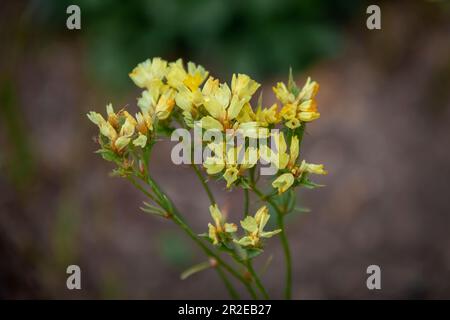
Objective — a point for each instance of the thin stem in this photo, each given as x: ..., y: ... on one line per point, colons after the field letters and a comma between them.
x: 222, y: 275
x: 148, y: 194
x: 233, y: 293
x: 263, y: 197
x: 284, y: 242
x: 204, y: 184
x: 257, y: 280
x: 249, y: 264
x: 246, y: 202
x: 210, y: 253
x: 177, y: 218
x: 287, y: 255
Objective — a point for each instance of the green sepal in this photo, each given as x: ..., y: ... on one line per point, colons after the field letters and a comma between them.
x: 108, y: 155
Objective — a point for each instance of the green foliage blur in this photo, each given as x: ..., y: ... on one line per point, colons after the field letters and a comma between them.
x: 259, y: 37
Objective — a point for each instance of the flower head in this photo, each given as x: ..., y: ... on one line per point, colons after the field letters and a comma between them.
x: 149, y: 73
x: 220, y: 231
x: 121, y: 128
x: 298, y: 105
x: 233, y: 162
x: 254, y: 227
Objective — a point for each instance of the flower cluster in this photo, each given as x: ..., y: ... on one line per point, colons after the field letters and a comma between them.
x: 289, y: 171
x: 298, y: 105
x: 186, y: 96
x: 222, y: 233
x: 172, y: 91
x: 121, y: 128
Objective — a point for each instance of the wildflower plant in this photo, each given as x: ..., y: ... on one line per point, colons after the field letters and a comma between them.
x: 175, y: 97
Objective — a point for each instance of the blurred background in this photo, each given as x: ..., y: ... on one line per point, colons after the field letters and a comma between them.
x: 383, y: 136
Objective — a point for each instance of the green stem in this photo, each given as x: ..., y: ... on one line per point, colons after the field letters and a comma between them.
x: 287, y: 255
x: 204, y: 184
x: 222, y: 275
x: 210, y: 253
x: 283, y: 239
x: 257, y: 280
x: 177, y: 218
x: 233, y: 293
x: 246, y: 202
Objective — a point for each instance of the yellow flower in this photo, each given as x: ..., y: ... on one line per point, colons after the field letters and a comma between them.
x: 289, y: 111
x: 309, y: 90
x: 188, y: 100
x: 300, y: 108
x: 113, y: 119
x: 308, y: 116
x: 308, y: 110
x: 144, y: 122
x: 246, y: 114
x: 140, y: 141
x: 177, y: 76
x: 233, y: 161
x: 283, y: 182
x: 243, y: 86
x: 165, y: 104
x: 231, y: 175
x: 220, y: 231
x: 283, y: 94
x: 225, y: 105
x: 148, y: 100
x: 106, y: 129
x: 293, y: 123
x: 149, y: 73
x: 280, y: 157
x: 96, y: 118
x: 120, y: 138
x: 254, y: 227
x: 312, y: 168
x: 267, y: 116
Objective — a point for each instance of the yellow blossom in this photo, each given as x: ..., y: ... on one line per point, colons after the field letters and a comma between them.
x: 312, y: 168
x: 300, y: 108
x: 177, y: 76
x: 225, y: 105
x: 283, y: 182
x: 254, y: 227
x: 220, y: 231
x: 283, y: 94
x: 165, y: 104
x: 289, y: 111
x: 234, y: 161
x: 309, y: 90
x: 148, y: 100
x: 149, y: 73
x: 267, y: 116
x: 243, y: 86
x: 140, y: 141
x: 144, y: 122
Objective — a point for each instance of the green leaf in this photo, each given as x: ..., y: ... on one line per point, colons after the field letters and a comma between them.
x: 305, y: 182
x: 195, y: 269
x: 245, y: 241
x: 108, y: 155
x: 254, y: 252
x: 153, y: 210
x: 292, y: 86
x: 260, y: 99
